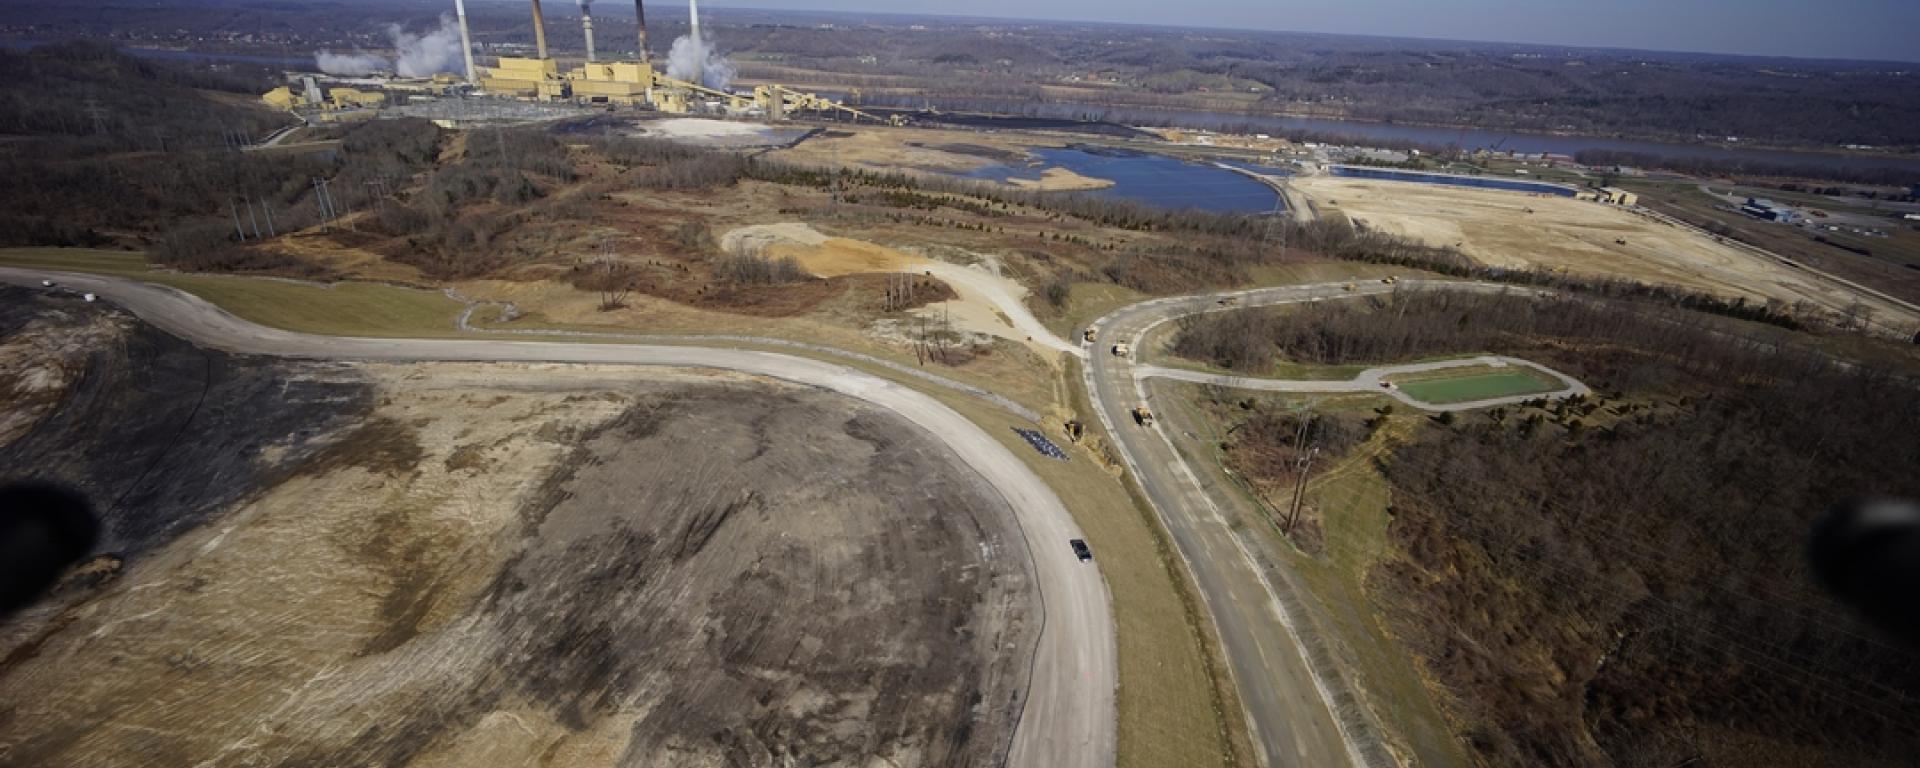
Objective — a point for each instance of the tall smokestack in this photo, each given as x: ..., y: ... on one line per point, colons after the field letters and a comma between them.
x: 640, y: 12
x: 586, y: 25
x: 539, y: 30
x: 699, y: 67
x: 466, y: 40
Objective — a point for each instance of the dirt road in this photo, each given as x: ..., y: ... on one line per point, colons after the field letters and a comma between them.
x: 1068, y: 718
x: 1369, y: 381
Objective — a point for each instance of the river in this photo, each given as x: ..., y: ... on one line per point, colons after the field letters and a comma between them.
x: 1470, y: 138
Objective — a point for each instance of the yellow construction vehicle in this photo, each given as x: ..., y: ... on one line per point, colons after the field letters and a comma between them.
x: 1142, y: 416
x: 1089, y: 334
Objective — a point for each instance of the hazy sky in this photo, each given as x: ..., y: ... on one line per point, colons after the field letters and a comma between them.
x: 1848, y: 29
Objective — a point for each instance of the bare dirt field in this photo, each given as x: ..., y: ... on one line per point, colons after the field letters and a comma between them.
x: 718, y: 133
x: 929, y: 150
x: 1496, y: 227
x: 451, y: 564
x: 987, y: 302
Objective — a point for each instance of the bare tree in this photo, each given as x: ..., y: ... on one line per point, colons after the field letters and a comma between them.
x: 613, y: 278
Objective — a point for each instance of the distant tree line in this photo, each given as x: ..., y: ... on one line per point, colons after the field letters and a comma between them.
x: 1707, y: 166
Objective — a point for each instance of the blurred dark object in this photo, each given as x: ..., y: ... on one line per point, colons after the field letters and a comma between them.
x: 1868, y: 553
x: 44, y: 529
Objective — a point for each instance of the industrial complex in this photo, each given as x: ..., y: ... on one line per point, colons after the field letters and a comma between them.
x: 636, y: 84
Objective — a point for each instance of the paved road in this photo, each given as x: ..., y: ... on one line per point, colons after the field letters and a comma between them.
x: 1285, y: 695
x: 1371, y: 379
x: 1068, y: 719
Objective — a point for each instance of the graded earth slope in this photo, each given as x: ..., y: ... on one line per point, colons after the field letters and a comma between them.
x: 455, y: 564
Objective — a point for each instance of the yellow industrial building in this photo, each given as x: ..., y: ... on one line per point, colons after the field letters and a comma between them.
x: 540, y: 78
x: 638, y: 84
x: 525, y: 78
x: 336, y: 98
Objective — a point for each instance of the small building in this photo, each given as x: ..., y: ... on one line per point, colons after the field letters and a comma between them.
x: 1618, y: 196
x: 282, y: 97
x: 1765, y: 210
x: 354, y: 98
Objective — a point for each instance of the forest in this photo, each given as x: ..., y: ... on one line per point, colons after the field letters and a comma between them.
x: 915, y: 61
x: 1621, y: 579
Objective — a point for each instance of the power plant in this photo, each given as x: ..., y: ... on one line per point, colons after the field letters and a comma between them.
x: 635, y: 83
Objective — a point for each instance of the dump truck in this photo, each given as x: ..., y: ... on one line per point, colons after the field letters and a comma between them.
x: 1121, y: 349
x: 1142, y: 416
x: 1349, y: 287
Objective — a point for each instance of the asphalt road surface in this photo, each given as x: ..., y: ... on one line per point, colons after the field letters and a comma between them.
x: 1285, y: 696
x: 1370, y: 381
x: 1068, y: 719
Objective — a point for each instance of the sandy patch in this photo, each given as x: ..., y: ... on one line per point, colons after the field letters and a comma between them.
x: 1061, y: 180
x: 754, y: 240
x: 1515, y: 229
x: 989, y: 303
x: 892, y: 149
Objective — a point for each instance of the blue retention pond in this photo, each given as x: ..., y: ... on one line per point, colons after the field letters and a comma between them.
x: 1510, y: 185
x: 1151, y: 179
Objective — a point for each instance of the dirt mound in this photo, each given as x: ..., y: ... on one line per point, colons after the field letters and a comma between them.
x: 466, y: 564
x: 819, y: 254
x: 161, y: 436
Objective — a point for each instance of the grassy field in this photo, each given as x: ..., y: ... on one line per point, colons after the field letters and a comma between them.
x: 1178, y: 706
x: 1459, y: 385
x: 338, y: 309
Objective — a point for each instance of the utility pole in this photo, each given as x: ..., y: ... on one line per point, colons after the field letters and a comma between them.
x: 268, y: 212
x: 235, y: 210
x: 1275, y: 218
x: 320, y: 201
x: 98, y: 113
x: 377, y: 189
x: 1304, y: 467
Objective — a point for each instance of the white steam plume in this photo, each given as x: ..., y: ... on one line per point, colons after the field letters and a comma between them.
x: 416, y: 55
x: 691, y: 58
x: 350, y: 64
x: 429, y: 54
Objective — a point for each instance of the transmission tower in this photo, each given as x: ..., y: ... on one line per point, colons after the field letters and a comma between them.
x: 98, y: 113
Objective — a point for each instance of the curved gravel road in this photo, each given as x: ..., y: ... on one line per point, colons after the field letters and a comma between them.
x: 1068, y: 718
x: 1299, y: 710
x: 1369, y: 381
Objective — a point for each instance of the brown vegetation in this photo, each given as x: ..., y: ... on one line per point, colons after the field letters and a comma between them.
x: 1620, y: 580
